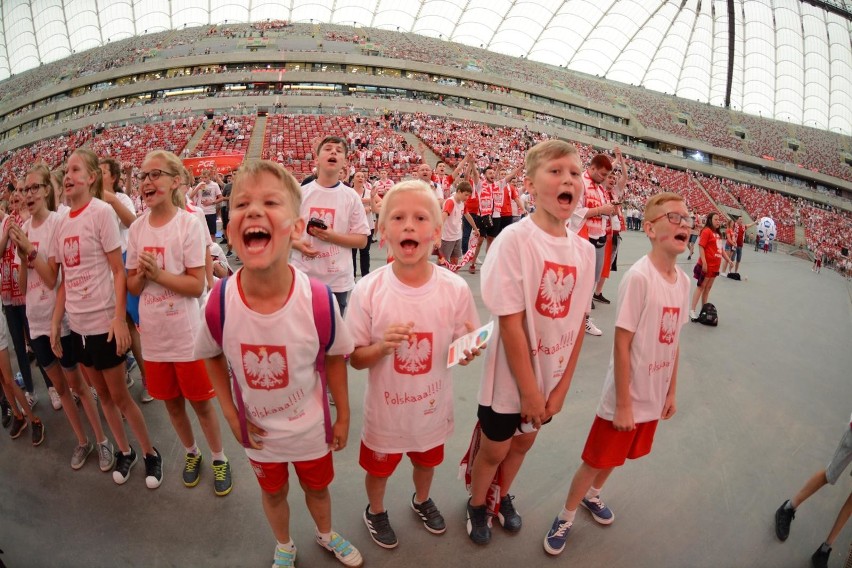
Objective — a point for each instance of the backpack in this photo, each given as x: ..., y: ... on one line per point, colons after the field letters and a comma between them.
x: 708, y: 315
x: 323, y: 308
x: 734, y: 276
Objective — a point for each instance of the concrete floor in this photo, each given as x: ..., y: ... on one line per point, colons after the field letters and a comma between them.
x: 762, y: 404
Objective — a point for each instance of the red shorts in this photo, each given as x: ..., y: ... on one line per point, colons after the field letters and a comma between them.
x: 378, y: 464
x: 189, y: 379
x: 315, y: 474
x: 606, y: 447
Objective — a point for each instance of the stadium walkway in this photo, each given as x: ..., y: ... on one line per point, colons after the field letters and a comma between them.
x: 763, y: 400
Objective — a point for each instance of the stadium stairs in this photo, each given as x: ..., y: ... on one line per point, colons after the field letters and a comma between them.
x: 429, y: 156
x: 196, y: 138
x: 255, y: 148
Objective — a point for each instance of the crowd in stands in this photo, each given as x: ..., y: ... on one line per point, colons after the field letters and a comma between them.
x: 227, y: 135
x: 375, y: 144
x: 129, y: 144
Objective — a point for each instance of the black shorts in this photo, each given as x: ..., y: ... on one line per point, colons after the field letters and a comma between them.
x: 211, y: 223
x: 95, y: 351
x: 477, y: 219
x: 45, y: 356
x: 497, y: 427
x: 500, y: 223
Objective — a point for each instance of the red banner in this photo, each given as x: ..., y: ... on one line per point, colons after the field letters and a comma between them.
x: 224, y: 164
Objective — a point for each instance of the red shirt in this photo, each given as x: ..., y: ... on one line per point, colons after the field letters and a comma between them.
x: 707, y: 240
x: 740, y: 231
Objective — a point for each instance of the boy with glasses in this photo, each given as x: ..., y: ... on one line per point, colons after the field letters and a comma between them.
x: 639, y: 389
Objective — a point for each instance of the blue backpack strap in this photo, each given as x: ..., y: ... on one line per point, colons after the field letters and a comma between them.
x: 323, y: 309
x: 214, y: 313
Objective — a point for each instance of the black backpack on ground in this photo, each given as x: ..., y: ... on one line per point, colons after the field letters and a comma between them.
x: 734, y: 276
x: 708, y: 315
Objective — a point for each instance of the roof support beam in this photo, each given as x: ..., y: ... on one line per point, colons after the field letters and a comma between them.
x: 36, y: 42
x: 455, y: 27
x: 665, y: 35
x: 639, y: 28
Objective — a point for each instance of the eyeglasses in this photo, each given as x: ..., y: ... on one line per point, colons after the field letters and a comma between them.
x: 34, y: 188
x: 153, y: 174
x: 676, y: 219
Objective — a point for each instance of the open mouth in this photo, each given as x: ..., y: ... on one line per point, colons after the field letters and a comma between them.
x: 682, y: 237
x: 256, y: 239
x: 149, y: 193
x: 565, y: 198
x: 408, y: 245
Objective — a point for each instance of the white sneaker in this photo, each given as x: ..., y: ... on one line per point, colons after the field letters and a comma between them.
x: 592, y: 329
x: 692, y: 315
x: 32, y: 399
x: 145, y: 396
x: 55, y: 401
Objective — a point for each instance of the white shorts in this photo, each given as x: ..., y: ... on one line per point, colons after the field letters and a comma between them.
x: 842, y: 458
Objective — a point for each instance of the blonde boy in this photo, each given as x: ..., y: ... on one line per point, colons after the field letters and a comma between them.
x: 639, y: 389
x: 270, y: 339
x: 537, y: 281
x: 403, y: 318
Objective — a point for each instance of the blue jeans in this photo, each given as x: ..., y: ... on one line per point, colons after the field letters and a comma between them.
x: 19, y: 329
x: 342, y: 298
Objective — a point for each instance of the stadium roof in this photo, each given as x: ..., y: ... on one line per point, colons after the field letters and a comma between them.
x: 786, y: 59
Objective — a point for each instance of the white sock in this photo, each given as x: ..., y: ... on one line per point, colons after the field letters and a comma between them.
x: 219, y: 456
x: 567, y: 515
x: 105, y: 442
x: 789, y: 505
x: 325, y: 537
x: 593, y: 492
x: 193, y: 449
x: 288, y: 546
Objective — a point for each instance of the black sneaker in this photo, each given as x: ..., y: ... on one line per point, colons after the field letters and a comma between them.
x: 507, y: 515
x: 380, y: 529
x: 153, y: 469
x: 192, y: 470
x: 600, y: 298
x: 783, y: 518
x: 430, y: 515
x: 38, y: 432
x: 820, y: 557
x: 222, y: 482
x: 477, y: 524
x: 123, y: 465
x: 6, y: 412
x: 18, y: 426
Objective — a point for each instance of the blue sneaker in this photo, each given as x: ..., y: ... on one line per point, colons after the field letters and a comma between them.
x: 600, y: 512
x: 284, y: 558
x: 342, y: 549
x: 554, y: 542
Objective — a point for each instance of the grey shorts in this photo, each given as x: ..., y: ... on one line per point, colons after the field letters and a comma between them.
x: 451, y: 249
x: 842, y: 458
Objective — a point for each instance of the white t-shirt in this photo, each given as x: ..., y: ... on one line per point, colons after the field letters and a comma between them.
x: 341, y: 210
x: 209, y: 192
x: 80, y: 246
x: 655, y: 311
x: 273, y: 357
x: 122, y: 228
x: 549, y: 278
x: 408, y: 403
x: 168, y: 320
x: 368, y: 209
x: 40, y: 297
x: 452, y: 227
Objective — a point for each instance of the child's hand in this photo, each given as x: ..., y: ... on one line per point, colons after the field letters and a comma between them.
x: 55, y: 343
x: 394, y: 335
x: 339, y: 435
x: 533, y: 409
x: 255, y: 433
x: 118, y: 330
x: 623, y: 419
x: 553, y: 406
x: 470, y: 354
x: 669, y: 408
x: 148, y: 265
